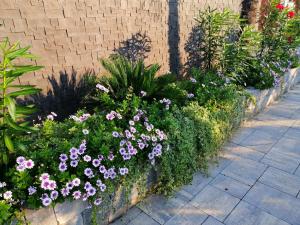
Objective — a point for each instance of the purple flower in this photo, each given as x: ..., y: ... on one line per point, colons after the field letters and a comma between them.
x: 99, y: 183
x: 70, y: 185
x: 85, y: 197
x: 84, y: 117
x: 31, y: 190
x: 76, y: 195
x: 122, y: 151
x: 54, y: 195
x: 74, y: 163
x: 88, y: 172
x: 44, y: 176
x: 87, y: 158
x: 122, y: 142
x: 87, y: 185
x: 82, y: 148
x: 102, y: 169
x: 110, y: 116
x: 115, y: 134
x: 141, y: 145
x: 133, y: 151
x: 100, y: 157
x: 123, y: 171
x: 76, y: 182
x: 21, y: 168
x: 111, y: 156
x: 52, y: 185
x: 96, y: 162
x: 62, y: 167
x: 65, y: 192
x: 132, y: 130
x: 46, y: 201
x: 45, y: 184
x: 131, y: 122
x: 29, y: 164
x: 106, y: 175
x: 91, y: 191
x: 151, y: 156
x: 73, y: 156
x: 73, y: 150
x: 102, y: 187
x: 136, y: 118
x: 98, y: 201
x: 63, y: 157
x: 20, y: 160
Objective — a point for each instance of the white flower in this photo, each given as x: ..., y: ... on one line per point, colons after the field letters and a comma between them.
x: 85, y: 131
x: 7, y: 195
x: 50, y: 117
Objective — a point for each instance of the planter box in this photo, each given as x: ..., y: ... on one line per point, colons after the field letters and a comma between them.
x: 264, y: 98
x: 78, y: 213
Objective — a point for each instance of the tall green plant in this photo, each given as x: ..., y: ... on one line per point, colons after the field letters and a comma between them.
x: 215, y: 29
x: 12, y: 114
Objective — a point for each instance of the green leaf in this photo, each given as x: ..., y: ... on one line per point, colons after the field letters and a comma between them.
x: 11, y: 106
x: 8, y: 143
x: 27, y: 91
x: 25, y: 110
x: 16, y: 126
x: 20, y: 70
x: 17, y: 53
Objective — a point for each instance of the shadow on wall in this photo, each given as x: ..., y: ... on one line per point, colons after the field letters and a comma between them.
x: 192, y: 46
x: 135, y: 48
x: 247, y: 10
x: 173, y: 37
x: 65, y: 96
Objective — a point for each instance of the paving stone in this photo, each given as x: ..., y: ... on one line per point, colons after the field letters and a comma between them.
x: 160, y: 208
x: 188, y: 215
x: 198, y: 183
x: 247, y: 214
x: 245, y: 170
x: 244, y: 152
x: 144, y: 219
x: 215, y: 202
x: 68, y: 210
x: 130, y: 215
x: 280, y: 110
x: 292, y: 133
x: 278, y: 204
x: 290, y: 147
x: 281, y: 161
x: 231, y: 186
x: 224, y: 160
x: 241, y: 135
x: 297, y: 172
x: 259, y: 141
x: 280, y: 180
x: 117, y: 222
x: 212, y: 221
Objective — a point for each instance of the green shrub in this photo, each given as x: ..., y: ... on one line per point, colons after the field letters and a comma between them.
x: 12, y: 115
x: 125, y: 74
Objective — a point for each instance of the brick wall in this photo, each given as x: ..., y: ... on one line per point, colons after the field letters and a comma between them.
x: 68, y: 34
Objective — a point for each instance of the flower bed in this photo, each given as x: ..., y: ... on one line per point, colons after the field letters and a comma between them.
x: 136, y: 132
x: 77, y: 212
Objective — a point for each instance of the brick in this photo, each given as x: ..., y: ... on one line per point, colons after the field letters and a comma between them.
x: 9, y: 13
x: 54, y: 13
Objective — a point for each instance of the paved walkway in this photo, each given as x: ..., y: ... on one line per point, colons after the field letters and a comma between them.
x: 257, y: 181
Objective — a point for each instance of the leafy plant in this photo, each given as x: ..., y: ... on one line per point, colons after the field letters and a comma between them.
x: 125, y: 74
x: 12, y: 115
x: 215, y: 29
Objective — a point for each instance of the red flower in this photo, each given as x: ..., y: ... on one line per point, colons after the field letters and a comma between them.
x: 280, y: 7
x: 291, y: 14
x: 290, y: 40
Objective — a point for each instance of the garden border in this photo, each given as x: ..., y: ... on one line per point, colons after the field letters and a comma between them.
x: 77, y: 213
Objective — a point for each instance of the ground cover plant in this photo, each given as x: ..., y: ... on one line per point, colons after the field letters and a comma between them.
x: 134, y: 121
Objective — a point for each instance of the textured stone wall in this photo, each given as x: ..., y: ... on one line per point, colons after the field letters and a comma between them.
x: 68, y: 34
